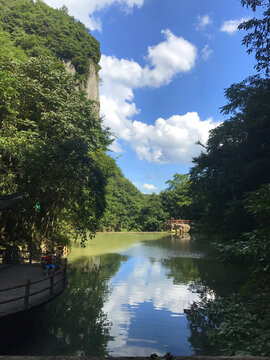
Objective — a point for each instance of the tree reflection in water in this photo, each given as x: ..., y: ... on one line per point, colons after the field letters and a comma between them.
x: 206, y: 277
x: 216, y: 280
x: 73, y: 324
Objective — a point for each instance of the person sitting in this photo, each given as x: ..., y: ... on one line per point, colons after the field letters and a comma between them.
x: 47, y: 263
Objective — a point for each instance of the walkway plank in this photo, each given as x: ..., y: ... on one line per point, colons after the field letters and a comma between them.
x: 16, y: 275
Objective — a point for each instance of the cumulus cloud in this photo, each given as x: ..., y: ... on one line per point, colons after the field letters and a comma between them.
x: 168, y: 140
x: 203, y: 22
x: 165, y: 60
x: 231, y: 26
x: 84, y: 9
x: 172, y: 56
x: 149, y: 187
x: 206, y: 52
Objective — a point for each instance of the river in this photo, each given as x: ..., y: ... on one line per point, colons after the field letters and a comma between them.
x: 126, y: 296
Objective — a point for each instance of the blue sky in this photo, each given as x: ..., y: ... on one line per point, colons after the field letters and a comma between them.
x: 165, y: 65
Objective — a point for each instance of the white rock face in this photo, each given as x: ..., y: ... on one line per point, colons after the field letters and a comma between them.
x: 91, y: 85
x: 69, y: 67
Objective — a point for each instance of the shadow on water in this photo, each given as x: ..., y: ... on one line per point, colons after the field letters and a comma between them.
x: 206, y: 276
x: 160, y: 274
x: 209, y: 278
x: 73, y: 324
x: 196, y: 264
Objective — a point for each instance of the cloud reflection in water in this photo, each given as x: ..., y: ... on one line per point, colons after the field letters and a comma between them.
x: 146, y: 308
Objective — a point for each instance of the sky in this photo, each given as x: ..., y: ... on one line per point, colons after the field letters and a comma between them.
x: 164, y: 67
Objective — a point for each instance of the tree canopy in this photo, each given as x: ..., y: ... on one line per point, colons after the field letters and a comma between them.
x: 41, y: 30
x: 236, y: 159
x: 176, y: 199
x: 49, y: 130
x: 230, y: 183
x: 257, y: 40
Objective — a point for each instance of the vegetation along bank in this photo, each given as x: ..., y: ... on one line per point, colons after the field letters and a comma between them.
x: 54, y: 150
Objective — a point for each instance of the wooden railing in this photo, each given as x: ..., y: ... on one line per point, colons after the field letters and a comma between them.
x: 53, y: 285
x: 31, y: 293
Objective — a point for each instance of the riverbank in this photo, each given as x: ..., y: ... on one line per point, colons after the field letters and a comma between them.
x: 127, y: 295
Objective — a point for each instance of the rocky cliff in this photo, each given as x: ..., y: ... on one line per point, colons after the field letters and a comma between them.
x: 90, y: 86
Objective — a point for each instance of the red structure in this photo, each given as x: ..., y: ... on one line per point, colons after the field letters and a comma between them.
x: 172, y: 221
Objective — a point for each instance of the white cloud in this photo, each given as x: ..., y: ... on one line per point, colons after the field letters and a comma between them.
x: 168, y: 140
x: 149, y: 187
x: 230, y: 26
x: 203, y: 22
x: 206, y: 52
x: 172, y: 56
x: 84, y: 9
x: 168, y: 58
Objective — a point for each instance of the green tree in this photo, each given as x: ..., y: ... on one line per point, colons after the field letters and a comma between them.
x: 48, y: 130
x: 236, y: 158
x: 9, y: 49
x: 257, y: 40
x: 176, y: 199
x: 230, y: 180
x: 42, y: 30
x: 152, y: 215
x: 124, y: 202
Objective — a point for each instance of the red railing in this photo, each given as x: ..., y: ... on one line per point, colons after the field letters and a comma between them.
x: 172, y: 221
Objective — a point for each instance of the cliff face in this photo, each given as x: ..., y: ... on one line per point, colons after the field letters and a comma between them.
x: 91, y: 85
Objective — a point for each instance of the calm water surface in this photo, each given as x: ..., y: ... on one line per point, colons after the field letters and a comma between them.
x: 126, y: 296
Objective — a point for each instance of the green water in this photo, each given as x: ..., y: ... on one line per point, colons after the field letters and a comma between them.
x: 126, y: 296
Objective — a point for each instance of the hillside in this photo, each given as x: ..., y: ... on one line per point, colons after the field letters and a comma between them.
x: 49, y: 129
x: 40, y: 30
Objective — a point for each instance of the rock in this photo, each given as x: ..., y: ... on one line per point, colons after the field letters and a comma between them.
x: 91, y: 85
x: 180, y: 228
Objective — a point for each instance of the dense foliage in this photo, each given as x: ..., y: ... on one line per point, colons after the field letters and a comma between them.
x: 41, y: 30
x: 236, y: 159
x: 231, y: 325
x: 49, y: 131
x: 153, y: 214
x: 53, y: 149
x: 123, y: 204
x: 176, y: 199
x: 239, y: 323
x: 230, y: 183
x: 128, y: 209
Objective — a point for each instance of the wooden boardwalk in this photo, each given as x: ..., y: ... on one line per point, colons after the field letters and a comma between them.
x: 24, y: 286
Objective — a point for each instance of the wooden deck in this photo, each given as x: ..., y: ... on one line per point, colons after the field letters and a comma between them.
x: 24, y: 286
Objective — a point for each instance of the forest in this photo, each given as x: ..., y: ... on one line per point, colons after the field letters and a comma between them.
x: 52, y: 140
x: 54, y: 150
